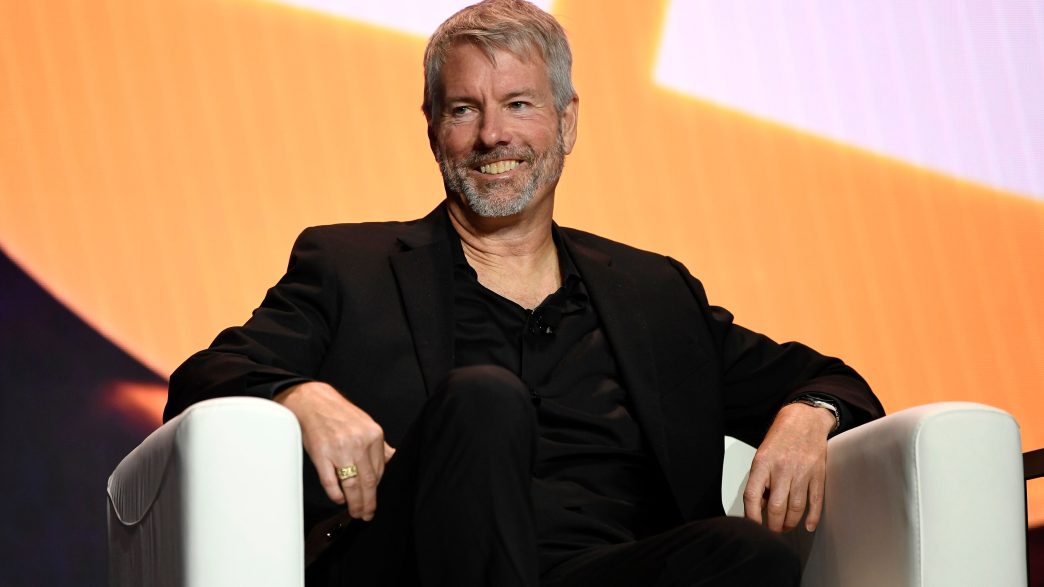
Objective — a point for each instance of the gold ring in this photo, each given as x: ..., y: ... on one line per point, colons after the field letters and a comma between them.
x: 346, y: 472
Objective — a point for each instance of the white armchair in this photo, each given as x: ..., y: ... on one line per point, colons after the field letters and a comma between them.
x: 933, y: 495
x: 212, y: 497
x: 929, y: 496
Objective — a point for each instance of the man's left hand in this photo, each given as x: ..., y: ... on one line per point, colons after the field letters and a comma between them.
x: 789, y: 469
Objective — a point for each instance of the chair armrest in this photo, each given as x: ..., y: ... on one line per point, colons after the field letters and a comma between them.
x: 932, y: 495
x: 213, y: 497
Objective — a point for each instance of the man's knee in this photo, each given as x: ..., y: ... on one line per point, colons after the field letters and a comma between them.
x: 749, y: 551
x: 485, y: 397
x: 768, y: 550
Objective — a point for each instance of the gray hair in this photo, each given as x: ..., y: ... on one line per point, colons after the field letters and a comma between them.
x: 515, y: 26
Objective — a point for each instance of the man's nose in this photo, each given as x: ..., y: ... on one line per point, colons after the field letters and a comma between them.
x: 494, y: 129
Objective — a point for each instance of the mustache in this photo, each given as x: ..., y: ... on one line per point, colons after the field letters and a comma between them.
x: 478, y: 159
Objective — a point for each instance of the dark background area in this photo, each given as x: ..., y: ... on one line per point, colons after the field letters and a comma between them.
x: 59, y: 436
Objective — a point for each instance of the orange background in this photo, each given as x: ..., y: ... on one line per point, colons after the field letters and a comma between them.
x: 157, y: 160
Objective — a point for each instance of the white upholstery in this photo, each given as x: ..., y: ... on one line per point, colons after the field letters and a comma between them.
x: 928, y: 496
x: 734, y: 473
x: 212, y: 497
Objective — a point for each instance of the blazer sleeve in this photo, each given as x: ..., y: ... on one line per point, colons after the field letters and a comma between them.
x: 760, y: 376
x: 282, y: 343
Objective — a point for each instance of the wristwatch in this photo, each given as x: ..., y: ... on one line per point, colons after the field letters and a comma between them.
x: 818, y: 402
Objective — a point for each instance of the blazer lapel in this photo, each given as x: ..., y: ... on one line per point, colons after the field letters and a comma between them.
x: 615, y: 298
x: 424, y: 272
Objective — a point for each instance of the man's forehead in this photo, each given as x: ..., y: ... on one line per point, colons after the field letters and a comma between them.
x: 464, y: 76
x: 524, y: 52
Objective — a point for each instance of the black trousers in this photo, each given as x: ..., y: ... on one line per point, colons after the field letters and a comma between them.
x: 454, y: 509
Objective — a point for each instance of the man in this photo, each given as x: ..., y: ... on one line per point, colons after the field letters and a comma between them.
x: 501, y: 401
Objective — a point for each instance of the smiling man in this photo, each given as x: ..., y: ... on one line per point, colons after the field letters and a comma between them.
x: 499, y: 158
x: 502, y: 401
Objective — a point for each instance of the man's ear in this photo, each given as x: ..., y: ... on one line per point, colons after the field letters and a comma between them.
x: 568, y: 123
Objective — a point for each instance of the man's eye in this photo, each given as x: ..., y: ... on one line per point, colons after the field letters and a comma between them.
x: 518, y: 105
x: 459, y: 110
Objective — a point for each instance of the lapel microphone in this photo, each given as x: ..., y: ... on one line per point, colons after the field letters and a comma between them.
x: 544, y: 320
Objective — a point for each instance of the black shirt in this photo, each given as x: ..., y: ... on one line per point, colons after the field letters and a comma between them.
x: 593, y: 481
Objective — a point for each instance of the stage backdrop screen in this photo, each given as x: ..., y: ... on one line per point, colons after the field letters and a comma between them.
x: 866, y: 177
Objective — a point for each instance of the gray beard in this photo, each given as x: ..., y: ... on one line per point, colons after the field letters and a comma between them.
x: 490, y: 204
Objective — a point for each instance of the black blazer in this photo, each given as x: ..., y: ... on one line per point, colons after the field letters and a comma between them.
x: 368, y: 309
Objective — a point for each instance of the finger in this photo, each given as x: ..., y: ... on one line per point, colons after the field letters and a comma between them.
x: 815, y: 503
x: 389, y: 452
x: 349, y: 486
x: 353, y: 493
x: 325, y: 468
x: 369, y: 477
x: 754, y: 493
x: 778, y: 499
x: 776, y: 509
x: 366, y: 483
x: 796, y: 504
x: 377, y: 460
x: 328, y: 479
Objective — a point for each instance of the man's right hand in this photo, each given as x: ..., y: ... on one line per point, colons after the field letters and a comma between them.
x: 336, y: 433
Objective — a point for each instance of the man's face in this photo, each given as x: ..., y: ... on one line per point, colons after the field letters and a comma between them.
x: 495, y: 132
